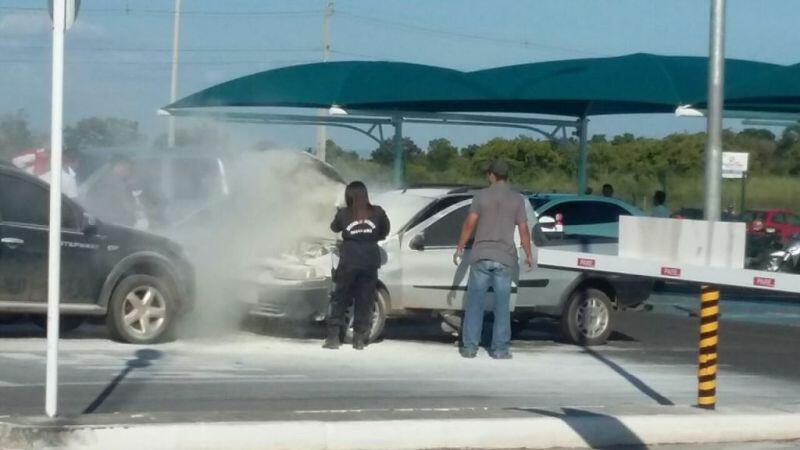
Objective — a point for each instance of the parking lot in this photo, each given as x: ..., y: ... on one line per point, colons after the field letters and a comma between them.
x: 279, y: 373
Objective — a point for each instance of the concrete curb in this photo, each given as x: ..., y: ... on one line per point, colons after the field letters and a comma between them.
x: 577, y: 431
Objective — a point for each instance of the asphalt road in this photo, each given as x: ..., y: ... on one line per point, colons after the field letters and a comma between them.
x: 278, y: 373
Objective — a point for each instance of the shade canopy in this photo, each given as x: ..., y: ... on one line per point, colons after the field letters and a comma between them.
x: 776, y: 90
x: 637, y: 83
x: 349, y: 84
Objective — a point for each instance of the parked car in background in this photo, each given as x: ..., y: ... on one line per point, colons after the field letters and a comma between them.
x: 419, y: 279
x: 782, y: 222
x: 586, y: 215
x: 136, y: 282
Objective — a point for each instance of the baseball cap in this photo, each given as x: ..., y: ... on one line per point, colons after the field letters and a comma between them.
x: 498, y: 167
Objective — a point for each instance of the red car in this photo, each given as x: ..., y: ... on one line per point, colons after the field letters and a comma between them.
x: 780, y: 221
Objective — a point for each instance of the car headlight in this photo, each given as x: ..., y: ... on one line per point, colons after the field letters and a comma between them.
x: 297, y: 273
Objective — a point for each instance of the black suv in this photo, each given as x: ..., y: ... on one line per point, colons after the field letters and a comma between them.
x: 138, y: 282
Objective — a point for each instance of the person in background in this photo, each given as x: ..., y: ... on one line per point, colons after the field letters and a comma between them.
x: 495, y: 212
x: 608, y: 190
x: 659, y: 210
x: 362, y: 225
x: 111, y: 198
x: 69, y: 176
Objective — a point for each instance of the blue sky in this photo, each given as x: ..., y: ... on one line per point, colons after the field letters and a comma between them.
x: 118, y: 52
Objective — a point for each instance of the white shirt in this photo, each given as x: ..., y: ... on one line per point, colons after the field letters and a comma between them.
x: 69, y: 181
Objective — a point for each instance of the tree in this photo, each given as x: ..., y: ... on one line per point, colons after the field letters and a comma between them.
x: 441, y: 154
x: 384, y: 154
x: 97, y: 132
x: 15, y: 135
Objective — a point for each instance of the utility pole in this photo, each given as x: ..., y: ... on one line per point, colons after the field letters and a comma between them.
x: 322, y: 135
x: 173, y: 91
x: 716, y: 83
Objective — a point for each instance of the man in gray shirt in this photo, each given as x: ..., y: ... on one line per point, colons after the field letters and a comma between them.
x: 495, y: 212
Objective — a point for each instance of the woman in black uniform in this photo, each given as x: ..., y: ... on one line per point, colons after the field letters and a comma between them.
x: 362, y: 226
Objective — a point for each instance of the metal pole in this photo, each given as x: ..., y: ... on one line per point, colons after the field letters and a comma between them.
x: 399, y: 153
x: 582, y: 154
x: 716, y: 82
x: 322, y: 131
x: 173, y: 90
x: 54, y: 237
x: 707, y: 358
x: 709, y: 297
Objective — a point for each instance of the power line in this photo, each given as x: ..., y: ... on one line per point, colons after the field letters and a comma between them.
x: 461, y: 35
x: 169, y: 12
x: 166, y: 63
x: 167, y: 50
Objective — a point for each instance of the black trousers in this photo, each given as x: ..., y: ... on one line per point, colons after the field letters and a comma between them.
x: 353, y: 286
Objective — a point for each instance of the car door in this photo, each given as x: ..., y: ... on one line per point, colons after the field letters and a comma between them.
x: 430, y: 279
x: 24, y: 207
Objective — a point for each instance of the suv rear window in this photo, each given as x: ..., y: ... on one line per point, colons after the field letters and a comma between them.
x: 587, y: 212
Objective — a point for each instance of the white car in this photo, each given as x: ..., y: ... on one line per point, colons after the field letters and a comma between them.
x: 419, y: 278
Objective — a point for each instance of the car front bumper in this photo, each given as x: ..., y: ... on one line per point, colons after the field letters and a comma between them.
x: 287, y: 299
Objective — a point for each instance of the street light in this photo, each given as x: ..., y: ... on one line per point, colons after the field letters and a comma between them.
x: 63, y: 13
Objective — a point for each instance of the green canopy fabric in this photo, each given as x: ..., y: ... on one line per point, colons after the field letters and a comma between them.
x: 637, y: 83
x: 776, y: 90
x: 349, y: 84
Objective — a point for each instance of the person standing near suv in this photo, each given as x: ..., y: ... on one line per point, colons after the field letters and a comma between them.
x: 494, y: 214
x: 362, y: 226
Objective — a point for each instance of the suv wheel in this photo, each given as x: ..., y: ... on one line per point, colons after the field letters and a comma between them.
x: 377, y: 321
x: 587, y: 318
x: 141, y: 310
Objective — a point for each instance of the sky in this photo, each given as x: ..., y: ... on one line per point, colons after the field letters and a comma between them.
x: 118, y: 53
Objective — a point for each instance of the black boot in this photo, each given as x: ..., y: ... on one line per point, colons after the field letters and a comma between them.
x: 333, y: 341
x: 359, y: 341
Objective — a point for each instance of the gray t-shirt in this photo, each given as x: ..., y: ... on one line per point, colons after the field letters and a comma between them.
x: 500, y: 209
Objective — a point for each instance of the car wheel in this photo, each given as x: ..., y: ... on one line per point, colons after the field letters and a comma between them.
x: 65, y: 323
x: 587, y: 318
x: 141, y: 310
x: 377, y: 321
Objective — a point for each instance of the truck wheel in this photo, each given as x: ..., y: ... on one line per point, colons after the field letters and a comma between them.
x: 377, y: 322
x: 587, y: 318
x: 65, y: 323
x: 141, y: 310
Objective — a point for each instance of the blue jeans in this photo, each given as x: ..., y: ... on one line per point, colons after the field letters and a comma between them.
x: 482, y: 275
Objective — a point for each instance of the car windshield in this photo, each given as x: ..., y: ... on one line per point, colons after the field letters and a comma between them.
x: 749, y: 216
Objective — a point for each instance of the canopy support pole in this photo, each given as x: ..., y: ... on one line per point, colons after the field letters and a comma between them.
x: 399, y: 154
x: 582, y: 154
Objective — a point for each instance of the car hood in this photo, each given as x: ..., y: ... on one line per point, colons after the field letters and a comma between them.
x: 136, y: 240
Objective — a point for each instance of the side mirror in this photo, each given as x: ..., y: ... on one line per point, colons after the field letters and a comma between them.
x: 417, y: 242
x: 89, y: 224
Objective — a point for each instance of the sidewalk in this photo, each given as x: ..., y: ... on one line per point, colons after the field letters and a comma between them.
x: 541, y: 429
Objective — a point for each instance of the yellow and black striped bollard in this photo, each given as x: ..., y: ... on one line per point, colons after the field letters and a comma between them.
x: 709, y: 329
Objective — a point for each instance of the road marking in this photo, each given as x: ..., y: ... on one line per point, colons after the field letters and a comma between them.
x: 8, y: 384
x: 23, y: 356
x: 401, y: 410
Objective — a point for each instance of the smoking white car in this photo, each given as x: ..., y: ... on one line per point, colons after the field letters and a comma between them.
x: 419, y: 278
